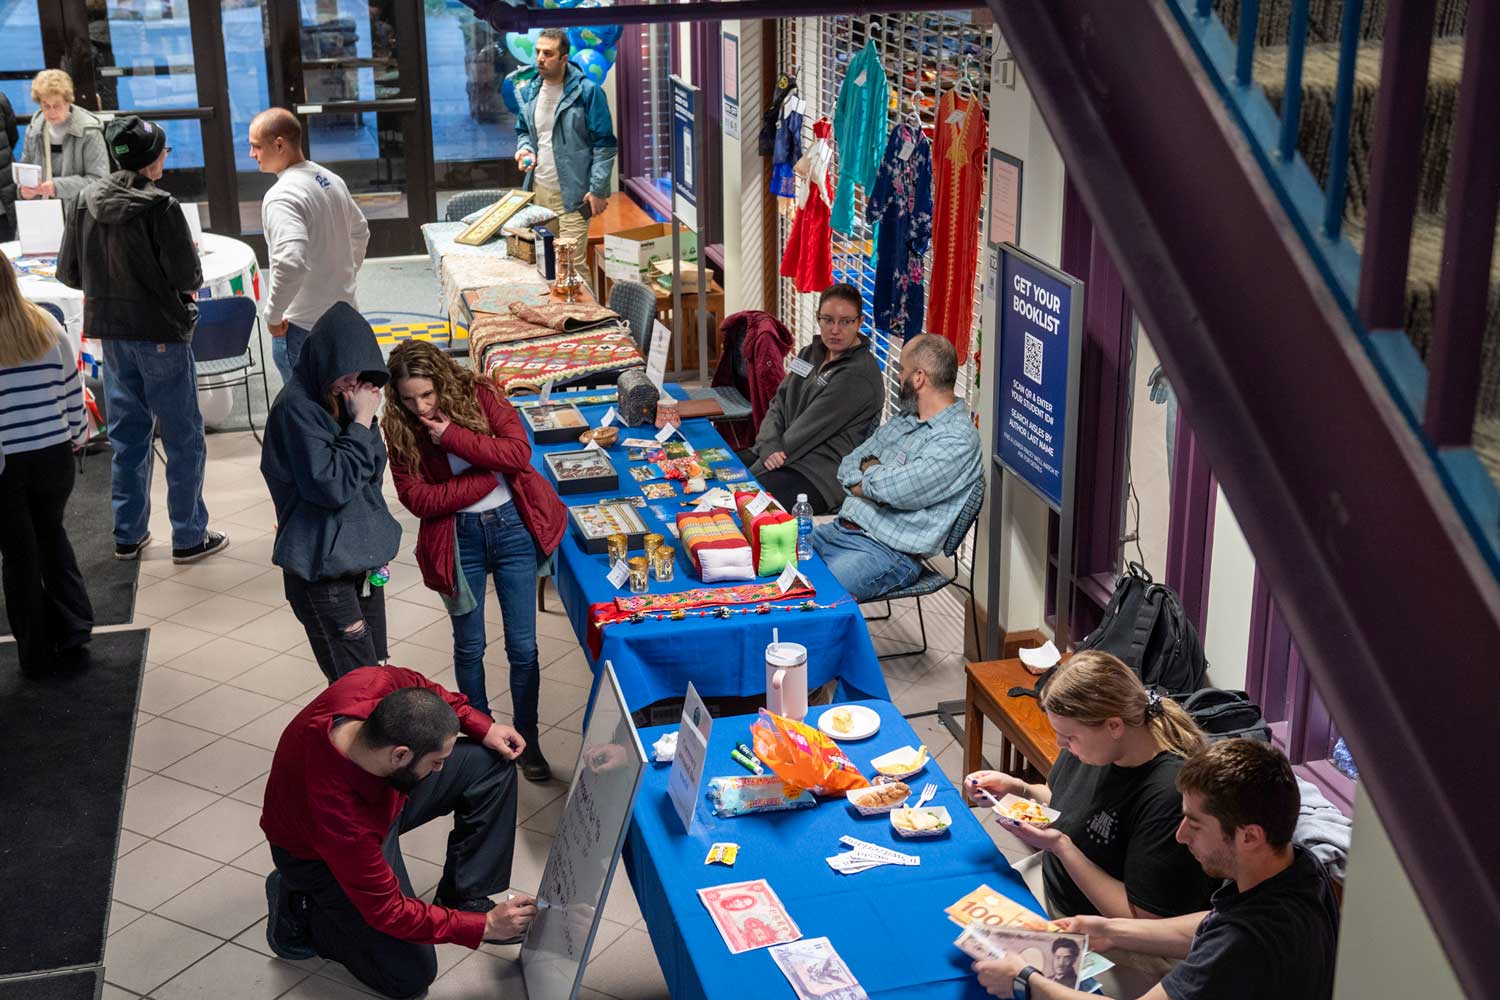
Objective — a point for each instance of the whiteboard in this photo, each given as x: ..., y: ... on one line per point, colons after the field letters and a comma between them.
x: 587, y: 848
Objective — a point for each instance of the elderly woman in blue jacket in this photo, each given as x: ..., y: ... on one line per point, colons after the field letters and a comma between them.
x: 565, y: 140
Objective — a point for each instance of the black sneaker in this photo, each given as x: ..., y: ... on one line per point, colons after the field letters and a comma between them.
x: 286, y: 930
x: 477, y: 904
x: 212, y: 542
x: 533, y: 764
x: 128, y: 552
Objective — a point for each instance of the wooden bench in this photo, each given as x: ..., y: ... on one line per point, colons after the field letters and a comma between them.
x: 1028, y: 744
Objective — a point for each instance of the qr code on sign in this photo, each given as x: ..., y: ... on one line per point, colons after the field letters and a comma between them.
x: 1031, y: 362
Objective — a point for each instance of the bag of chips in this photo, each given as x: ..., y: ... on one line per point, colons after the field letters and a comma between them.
x: 803, y: 757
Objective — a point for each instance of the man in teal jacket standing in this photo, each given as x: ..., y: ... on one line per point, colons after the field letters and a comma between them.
x: 565, y: 140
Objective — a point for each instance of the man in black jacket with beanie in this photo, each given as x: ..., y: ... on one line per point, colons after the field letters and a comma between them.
x: 128, y: 247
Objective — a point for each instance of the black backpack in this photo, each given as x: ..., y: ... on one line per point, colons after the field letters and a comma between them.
x: 1145, y: 626
x: 1226, y: 715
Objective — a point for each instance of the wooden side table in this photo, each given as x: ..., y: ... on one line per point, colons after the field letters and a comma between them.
x: 1027, y: 739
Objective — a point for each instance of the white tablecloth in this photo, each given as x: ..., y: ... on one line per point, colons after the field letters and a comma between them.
x: 229, y: 268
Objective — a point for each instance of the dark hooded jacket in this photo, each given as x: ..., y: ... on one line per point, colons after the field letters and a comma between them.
x: 127, y: 246
x: 325, y: 471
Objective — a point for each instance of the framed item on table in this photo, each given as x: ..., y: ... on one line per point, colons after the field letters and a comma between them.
x: 554, y: 423
x: 581, y: 471
x: 594, y: 524
x: 487, y: 225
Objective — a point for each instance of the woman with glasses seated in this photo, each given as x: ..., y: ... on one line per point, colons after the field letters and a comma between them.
x: 829, y: 402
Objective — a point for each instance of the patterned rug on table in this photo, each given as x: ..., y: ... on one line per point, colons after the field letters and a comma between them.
x: 526, y: 365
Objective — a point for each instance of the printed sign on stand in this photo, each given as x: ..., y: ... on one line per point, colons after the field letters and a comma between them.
x: 686, y: 779
x: 684, y: 151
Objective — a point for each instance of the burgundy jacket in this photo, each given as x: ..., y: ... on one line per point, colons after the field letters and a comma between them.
x: 762, y: 344
x: 434, y: 494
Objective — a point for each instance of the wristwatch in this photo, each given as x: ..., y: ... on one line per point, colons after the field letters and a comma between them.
x: 1019, y: 986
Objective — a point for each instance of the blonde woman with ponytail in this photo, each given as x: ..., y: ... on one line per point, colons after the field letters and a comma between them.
x: 1114, y: 851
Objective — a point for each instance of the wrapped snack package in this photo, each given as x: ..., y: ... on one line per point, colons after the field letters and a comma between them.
x: 803, y: 757
x: 740, y: 796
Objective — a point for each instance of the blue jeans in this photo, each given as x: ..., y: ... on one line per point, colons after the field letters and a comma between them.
x: 286, y: 350
x: 146, y: 383
x: 497, y: 542
x: 865, y: 567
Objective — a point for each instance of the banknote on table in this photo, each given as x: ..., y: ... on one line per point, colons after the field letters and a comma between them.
x: 988, y: 907
x: 749, y: 915
x: 816, y: 971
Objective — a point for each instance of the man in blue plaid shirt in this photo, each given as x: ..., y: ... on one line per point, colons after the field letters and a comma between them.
x: 908, y: 482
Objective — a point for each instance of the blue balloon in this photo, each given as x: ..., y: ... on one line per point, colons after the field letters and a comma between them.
x: 522, y: 46
x: 510, y: 87
x: 560, y: 4
x: 595, y: 36
x: 610, y: 53
x: 592, y: 63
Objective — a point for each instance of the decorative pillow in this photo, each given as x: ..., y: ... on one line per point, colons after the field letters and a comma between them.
x: 715, y: 545
x: 529, y: 217
x: 772, y: 535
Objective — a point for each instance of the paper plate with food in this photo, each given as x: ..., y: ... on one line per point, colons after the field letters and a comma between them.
x: 902, y: 762
x: 1019, y: 810
x: 928, y: 821
x: 850, y: 722
x: 879, y: 799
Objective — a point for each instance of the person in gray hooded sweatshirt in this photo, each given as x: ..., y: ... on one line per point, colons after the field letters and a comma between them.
x: 324, y: 462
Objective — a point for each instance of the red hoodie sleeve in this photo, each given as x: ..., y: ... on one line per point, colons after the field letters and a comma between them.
x: 356, y: 860
x: 428, y: 499
x: 506, y: 449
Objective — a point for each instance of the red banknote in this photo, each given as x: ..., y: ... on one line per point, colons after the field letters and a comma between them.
x: 748, y: 915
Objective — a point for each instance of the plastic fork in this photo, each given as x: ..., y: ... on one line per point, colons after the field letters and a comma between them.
x: 929, y: 790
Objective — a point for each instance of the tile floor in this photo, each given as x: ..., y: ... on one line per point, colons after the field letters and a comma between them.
x: 228, y: 666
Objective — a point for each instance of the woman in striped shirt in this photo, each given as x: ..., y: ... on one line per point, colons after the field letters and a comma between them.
x: 41, y: 416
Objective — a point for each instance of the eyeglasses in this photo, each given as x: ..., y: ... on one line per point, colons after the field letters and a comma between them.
x: 166, y: 149
x: 846, y: 323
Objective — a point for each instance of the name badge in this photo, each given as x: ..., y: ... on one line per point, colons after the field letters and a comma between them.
x: 801, y: 367
x: 900, y: 458
x: 823, y: 378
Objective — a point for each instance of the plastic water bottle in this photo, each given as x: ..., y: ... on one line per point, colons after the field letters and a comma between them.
x: 803, y: 513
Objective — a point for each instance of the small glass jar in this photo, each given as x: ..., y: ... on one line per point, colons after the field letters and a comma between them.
x: 638, y: 574
x: 653, y: 541
x: 619, y: 545
x: 661, y: 562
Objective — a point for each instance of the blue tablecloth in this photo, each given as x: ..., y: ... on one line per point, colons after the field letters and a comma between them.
x: 721, y: 656
x: 887, y: 923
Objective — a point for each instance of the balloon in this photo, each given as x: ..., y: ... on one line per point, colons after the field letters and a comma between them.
x: 215, y: 402
x: 595, y: 36
x: 610, y: 54
x: 523, y: 46
x: 556, y: 4
x: 593, y: 64
x: 510, y: 87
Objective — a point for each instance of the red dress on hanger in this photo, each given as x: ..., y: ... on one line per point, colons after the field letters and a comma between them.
x: 808, y: 259
x: 958, y: 185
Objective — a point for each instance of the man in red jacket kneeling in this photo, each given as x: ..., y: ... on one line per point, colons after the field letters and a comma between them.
x: 375, y: 755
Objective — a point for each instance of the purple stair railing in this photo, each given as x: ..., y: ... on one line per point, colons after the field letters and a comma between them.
x: 1346, y: 460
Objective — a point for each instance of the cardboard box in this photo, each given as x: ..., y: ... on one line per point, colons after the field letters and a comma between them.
x: 630, y: 253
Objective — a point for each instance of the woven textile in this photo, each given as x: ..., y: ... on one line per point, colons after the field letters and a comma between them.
x: 715, y: 545
x: 564, y: 317
x: 772, y: 535
x: 711, y: 597
x: 524, y: 366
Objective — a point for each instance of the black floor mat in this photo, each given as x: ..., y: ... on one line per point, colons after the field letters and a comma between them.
x: 81, y: 984
x: 111, y: 582
x: 65, y: 740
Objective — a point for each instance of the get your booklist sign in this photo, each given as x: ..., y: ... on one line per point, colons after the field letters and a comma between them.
x: 1040, y: 312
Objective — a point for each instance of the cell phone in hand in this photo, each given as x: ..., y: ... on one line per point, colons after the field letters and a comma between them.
x: 586, y: 210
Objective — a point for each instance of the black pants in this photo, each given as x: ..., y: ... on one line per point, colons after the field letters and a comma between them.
x: 45, y: 597
x: 785, y: 483
x: 7, y: 224
x: 346, y: 630
x: 476, y: 785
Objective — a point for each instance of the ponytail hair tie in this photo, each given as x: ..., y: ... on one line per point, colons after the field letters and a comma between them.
x: 1154, y: 707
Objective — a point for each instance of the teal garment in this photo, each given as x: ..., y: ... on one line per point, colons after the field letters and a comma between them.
x: 860, y: 122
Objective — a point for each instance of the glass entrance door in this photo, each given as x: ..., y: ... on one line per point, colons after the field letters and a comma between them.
x: 352, y: 72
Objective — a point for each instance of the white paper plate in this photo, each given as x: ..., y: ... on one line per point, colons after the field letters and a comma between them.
x: 940, y: 811
x: 865, y: 722
x: 900, y: 753
x: 999, y: 807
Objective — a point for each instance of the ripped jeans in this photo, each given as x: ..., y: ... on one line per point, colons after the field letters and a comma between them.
x: 346, y: 630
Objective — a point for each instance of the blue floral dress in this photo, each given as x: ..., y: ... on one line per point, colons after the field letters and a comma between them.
x: 901, y: 204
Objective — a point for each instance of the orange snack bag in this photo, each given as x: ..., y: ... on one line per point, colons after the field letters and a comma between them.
x: 802, y: 757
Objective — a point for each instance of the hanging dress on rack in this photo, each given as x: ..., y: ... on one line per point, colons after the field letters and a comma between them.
x: 861, y: 119
x: 901, y: 208
x: 808, y: 259
x: 788, y: 151
x: 958, y: 166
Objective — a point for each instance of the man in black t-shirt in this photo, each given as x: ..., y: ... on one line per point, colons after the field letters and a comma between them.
x: 1273, y: 927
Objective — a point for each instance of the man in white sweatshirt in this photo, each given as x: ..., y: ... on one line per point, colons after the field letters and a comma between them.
x: 315, y: 235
